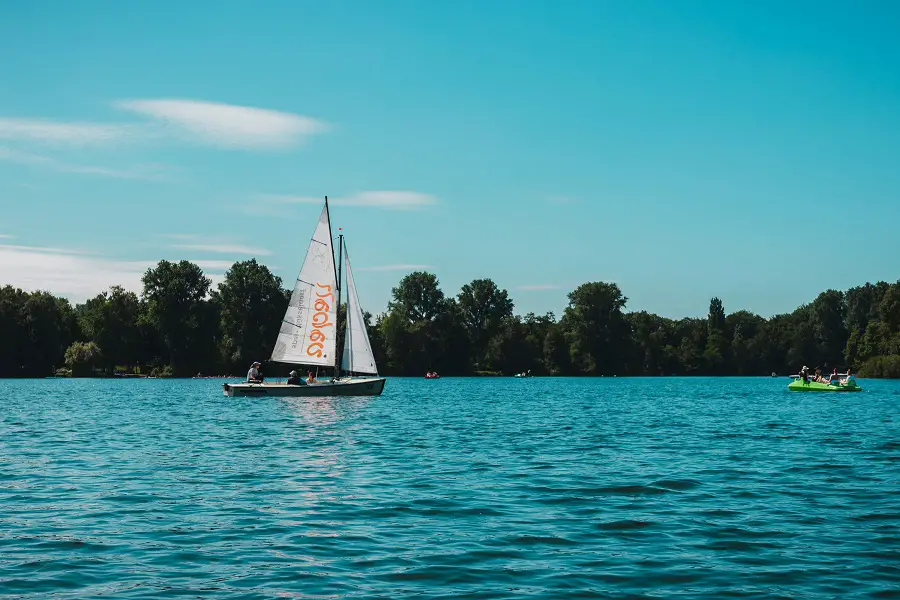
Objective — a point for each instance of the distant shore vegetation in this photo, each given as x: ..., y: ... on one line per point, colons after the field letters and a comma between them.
x: 181, y: 326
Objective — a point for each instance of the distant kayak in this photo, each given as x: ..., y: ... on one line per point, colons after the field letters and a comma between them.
x: 798, y: 385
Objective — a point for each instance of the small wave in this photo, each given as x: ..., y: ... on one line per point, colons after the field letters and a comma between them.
x: 623, y: 525
x: 133, y: 498
x: 677, y: 484
x: 878, y: 517
x: 739, y: 546
x: 540, y: 540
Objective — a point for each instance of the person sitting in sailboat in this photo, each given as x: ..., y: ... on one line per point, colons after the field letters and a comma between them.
x: 294, y: 379
x: 254, y: 375
x: 309, y: 378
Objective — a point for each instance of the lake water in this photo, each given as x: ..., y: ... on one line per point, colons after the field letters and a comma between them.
x: 469, y: 488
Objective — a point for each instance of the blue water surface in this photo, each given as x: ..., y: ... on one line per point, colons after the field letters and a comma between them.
x: 468, y: 488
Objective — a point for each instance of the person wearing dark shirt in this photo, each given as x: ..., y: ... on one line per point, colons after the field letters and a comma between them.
x: 294, y: 379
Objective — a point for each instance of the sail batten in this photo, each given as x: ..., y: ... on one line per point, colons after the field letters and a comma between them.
x: 308, y: 329
x: 357, y: 356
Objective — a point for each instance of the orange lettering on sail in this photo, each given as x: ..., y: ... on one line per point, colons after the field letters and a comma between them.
x: 322, y: 306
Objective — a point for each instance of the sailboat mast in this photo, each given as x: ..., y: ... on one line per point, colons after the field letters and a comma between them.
x: 337, y: 279
x: 337, y: 353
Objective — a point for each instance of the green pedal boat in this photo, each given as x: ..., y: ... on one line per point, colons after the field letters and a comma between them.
x: 798, y: 385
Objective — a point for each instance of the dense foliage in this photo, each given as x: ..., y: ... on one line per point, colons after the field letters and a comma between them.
x: 179, y: 325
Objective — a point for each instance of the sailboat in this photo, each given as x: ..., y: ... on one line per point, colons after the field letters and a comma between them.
x: 309, y: 329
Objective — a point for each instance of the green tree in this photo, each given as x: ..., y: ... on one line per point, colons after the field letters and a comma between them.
x: 483, y: 308
x: 690, y: 337
x: 418, y: 297
x: 596, y: 328
x: 537, y: 328
x: 83, y: 358
x: 557, y: 357
x: 110, y: 319
x: 50, y: 326
x: 510, y: 350
x: 716, y: 354
x: 423, y: 330
x: 651, y: 353
x: 889, y: 308
x: 14, y: 340
x: 178, y: 309
x: 252, y: 304
x: 747, y: 342
x: 826, y: 315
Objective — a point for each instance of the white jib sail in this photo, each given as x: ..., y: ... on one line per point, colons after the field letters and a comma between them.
x: 308, y: 331
x: 357, y: 357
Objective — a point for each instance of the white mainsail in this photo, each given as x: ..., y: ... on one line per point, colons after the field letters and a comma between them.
x: 308, y: 331
x: 357, y: 356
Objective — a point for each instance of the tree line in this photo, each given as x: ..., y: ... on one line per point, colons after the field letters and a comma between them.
x: 180, y: 326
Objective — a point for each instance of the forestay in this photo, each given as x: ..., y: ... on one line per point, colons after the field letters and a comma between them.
x: 357, y: 357
x: 308, y: 331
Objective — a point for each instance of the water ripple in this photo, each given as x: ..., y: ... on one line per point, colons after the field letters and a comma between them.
x: 458, y: 488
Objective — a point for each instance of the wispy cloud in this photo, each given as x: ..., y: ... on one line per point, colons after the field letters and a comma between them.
x: 209, y: 123
x: 71, y: 133
x: 223, y: 249
x: 45, y: 249
x: 6, y: 236
x: 226, y: 125
x: 213, y: 265
x: 147, y: 172
x: 539, y: 287
x: 76, y: 276
x: 397, y: 268
x: 385, y: 199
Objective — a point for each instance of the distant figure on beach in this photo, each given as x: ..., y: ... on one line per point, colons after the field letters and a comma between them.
x: 294, y: 379
x: 254, y: 375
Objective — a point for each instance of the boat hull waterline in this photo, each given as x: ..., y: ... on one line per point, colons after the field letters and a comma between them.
x: 357, y: 387
x: 799, y: 385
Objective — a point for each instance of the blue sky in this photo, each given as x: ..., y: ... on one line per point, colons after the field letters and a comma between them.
x: 681, y: 149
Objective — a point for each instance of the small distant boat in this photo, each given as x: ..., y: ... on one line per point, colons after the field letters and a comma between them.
x: 845, y: 385
x: 523, y: 374
x: 432, y: 375
x: 774, y: 374
x: 309, y: 328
